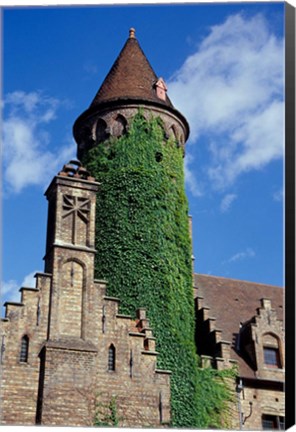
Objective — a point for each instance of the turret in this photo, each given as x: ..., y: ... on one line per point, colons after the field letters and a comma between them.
x: 132, y: 139
x: 131, y: 83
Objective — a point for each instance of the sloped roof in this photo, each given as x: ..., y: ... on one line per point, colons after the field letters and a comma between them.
x: 130, y: 81
x: 233, y: 301
x: 130, y: 77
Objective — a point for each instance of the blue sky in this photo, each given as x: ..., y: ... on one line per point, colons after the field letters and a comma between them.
x: 223, y: 64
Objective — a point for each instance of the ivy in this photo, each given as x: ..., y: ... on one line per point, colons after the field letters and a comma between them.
x: 144, y: 251
x: 106, y: 414
x: 217, y: 389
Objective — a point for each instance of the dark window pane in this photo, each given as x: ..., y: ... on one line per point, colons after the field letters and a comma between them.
x: 271, y: 356
x: 24, y: 349
x: 111, y: 358
x: 271, y: 422
x: 282, y: 423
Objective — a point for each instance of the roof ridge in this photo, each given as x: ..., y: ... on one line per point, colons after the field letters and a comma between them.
x: 239, y: 280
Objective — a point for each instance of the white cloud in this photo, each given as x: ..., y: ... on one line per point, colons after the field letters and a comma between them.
x: 226, y: 202
x: 29, y: 281
x: 10, y: 289
x: 28, y: 101
x: 279, y: 195
x: 231, y: 89
x: 26, y: 161
x: 195, y: 188
x: 248, y: 253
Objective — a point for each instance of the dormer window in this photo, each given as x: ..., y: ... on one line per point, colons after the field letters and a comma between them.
x: 161, y: 89
x: 271, y: 357
x: 271, y: 351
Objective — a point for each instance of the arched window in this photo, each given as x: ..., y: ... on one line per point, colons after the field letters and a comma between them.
x: 24, y: 349
x: 173, y: 132
x: 72, y: 297
x: 101, y: 130
x: 111, y: 358
x: 119, y: 126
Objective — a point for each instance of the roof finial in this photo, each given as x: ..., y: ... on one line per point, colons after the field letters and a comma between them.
x: 132, y: 32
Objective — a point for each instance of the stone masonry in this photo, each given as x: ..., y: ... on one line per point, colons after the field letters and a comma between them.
x: 82, y: 354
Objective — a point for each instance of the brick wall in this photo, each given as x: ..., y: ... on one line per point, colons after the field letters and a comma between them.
x: 20, y: 379
x: 71, y: 325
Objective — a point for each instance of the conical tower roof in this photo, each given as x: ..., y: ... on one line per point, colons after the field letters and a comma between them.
x: 130, y: 78
x: 130, y: 84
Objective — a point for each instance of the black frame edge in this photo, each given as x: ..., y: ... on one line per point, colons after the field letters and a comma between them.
x: 290, y: 213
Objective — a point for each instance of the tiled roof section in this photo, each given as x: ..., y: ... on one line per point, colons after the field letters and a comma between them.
x: 233, y: 301
x: 131, y: 77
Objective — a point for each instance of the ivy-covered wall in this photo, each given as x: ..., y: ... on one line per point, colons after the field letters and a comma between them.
x: 144, y: 251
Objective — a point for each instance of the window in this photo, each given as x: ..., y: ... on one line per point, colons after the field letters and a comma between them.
x: 24, y: 349
x: 119, y: 126
x: 111, y: 358
x: 282, y: 423
x: 101, y: 131
x: 271, y: 357
x: 272, y: 422
x: 161, y: 89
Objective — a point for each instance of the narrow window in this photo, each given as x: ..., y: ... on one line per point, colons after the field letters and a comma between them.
x: 101, y: 131
x: 282, y: 423
x: 24, y: 349
x: 111, y: 358
x: 119, y: 126
x: 271, y: 357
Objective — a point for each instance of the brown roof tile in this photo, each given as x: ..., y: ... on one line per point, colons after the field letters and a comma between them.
x: 131, y: 77
x: 233, y: 301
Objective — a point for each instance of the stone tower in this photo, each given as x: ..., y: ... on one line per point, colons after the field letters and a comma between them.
x: 132, y: 140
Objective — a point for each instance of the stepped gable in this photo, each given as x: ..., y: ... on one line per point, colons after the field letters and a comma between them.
x: 65, y: 348
x: 232, y: 302
x: 130, y: 77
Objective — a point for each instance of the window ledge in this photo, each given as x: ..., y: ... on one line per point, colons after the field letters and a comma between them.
x: 273, y: 369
